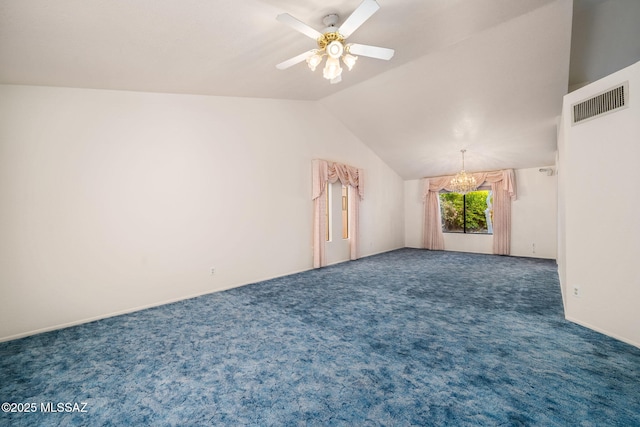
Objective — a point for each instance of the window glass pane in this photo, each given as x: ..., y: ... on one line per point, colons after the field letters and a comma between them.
x: 452, y: 212
x: 328, y: 212
x: 471, y: 213
x: 476, y: 215
x: 345, y: 212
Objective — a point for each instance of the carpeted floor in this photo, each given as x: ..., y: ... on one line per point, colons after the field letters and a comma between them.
x: 409, y: 337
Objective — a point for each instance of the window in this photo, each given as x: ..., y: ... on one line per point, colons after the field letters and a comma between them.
x: 342, y: 204
x: 345, y: 212
x: 327, y: 194
x: 469, y: 213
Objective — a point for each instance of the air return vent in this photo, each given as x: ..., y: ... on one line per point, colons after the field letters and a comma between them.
x: 606, y: 102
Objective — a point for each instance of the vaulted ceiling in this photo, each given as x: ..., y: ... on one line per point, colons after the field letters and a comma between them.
x: 484, y: 75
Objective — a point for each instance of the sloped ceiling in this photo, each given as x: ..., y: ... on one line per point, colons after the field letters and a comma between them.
x: 497, y: 95
x: 484, y: 75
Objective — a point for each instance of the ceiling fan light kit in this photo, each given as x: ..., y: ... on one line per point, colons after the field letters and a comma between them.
x: 331, y: 43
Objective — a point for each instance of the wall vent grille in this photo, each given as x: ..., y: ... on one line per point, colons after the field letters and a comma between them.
x: 606, y: 102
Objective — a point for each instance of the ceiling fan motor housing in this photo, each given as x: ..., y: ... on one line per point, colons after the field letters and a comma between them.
x: 327, y: 38
x: 331, y: 21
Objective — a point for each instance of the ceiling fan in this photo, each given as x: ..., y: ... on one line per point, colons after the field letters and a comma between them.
x: 332, y: 42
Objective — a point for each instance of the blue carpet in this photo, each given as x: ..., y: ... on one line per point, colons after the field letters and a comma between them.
x: 409, y: 337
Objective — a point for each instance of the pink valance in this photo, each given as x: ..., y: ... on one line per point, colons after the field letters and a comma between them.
x: 324, y: 171
x: 442, y: 182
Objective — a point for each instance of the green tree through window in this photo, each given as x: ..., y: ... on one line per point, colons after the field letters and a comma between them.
x: 469, y: 213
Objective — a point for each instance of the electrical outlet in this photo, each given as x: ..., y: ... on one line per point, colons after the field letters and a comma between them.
x: 533, y: 248
x: 213, y: 271
x: 576, y: 291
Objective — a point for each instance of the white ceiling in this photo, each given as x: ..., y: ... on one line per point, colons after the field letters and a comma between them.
x: 485, y: 75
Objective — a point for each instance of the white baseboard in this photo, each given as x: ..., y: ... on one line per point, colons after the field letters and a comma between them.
x: 152, y: 305
x: 133, y: 309
x: 602, y: 331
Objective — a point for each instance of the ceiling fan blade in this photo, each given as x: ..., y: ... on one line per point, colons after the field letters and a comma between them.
x: 371, y: 51
x: 358, y: 17
x: 295, y: 60
x: 297, y: 25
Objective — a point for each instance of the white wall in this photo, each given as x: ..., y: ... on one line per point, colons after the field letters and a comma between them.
x: 598, y: 167
x: 534, y: 216
x: 113, y: 201
x: 413, y: 211
x: 533, y: 219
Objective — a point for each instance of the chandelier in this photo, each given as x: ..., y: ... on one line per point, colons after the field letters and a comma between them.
x: 331, y: 45
x: 463, y: 183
